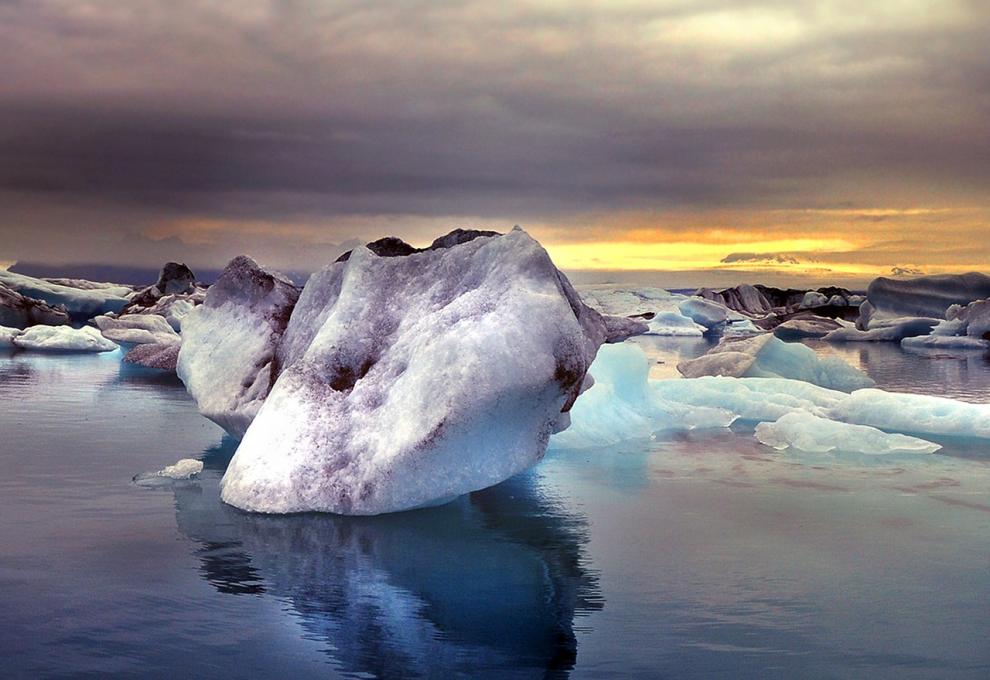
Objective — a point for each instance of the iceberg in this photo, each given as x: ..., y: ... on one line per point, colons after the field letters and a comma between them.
x: 7, y: 336
x: 766, y: 356
x: 228, y: 343
x: 945, y: 342
x: 806, y: 326
x: 19, y: 311
x: 405, y: 380
x: 925, y: 296
x: 619, y: 328
x: 81, y: 299
x: 914, y: 413
x: 750, y: 399
x: 174, y: 295
x: 815, y: 299
x: 137, y: 329
x: 885, y: 330
x: 674, y: 324
x: 806, y: 432
x: 63, y: 339
x: 711, y: 315
x: 182, y: 470
x: 621, y: 404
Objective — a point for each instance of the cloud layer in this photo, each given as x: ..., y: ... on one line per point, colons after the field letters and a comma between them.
x: 318, y: 122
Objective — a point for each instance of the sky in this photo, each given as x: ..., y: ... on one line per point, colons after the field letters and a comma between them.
x: 829, y: 138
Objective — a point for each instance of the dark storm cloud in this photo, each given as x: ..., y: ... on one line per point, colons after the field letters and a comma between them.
x: 305, y: 111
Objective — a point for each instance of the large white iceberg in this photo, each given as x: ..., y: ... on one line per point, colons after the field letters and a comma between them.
x: 806, y: 432
x: 62, y: 339
x: 766, y: 356
x: 621, y: 404
x: 228, y: 343
x: 409, y: 380
x: 81, y: 299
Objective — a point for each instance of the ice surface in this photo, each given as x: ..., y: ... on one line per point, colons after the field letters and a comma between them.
x: 806, y: 432
x: 766, y: 356
x: 228, y: 342
x: 137, y: 329
x: 618, y: 328
x: 409, y: 380
x: 63, y: 339
x: 81, y: 299
x: 621, y: 404
x: 666, y: 313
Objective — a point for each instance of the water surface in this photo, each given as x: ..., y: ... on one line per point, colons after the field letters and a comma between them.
x: 695, y: 556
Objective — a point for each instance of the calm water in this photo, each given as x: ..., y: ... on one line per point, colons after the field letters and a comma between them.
x: 700, y: 556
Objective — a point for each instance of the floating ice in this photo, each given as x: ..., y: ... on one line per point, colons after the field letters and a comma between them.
x: 884, y: 330
x: 7, y: 336
x: 184, y: 469
x: 914, y: 413
x: 806, y: 432
x: 409, y: 380
x: 766, y: 356
x: 622, y: 405
x: 19, y: 311
x: 228, y: 343
x: 63, y: 339
x: 945, y: 342
x: 674, y: 324
x: 806, y: 327
x: 711, y: 315
x: 815, y: 299
x: 925, y: 296
x: 81, y: 299
x: 750, y: 399
x: 137, y: 329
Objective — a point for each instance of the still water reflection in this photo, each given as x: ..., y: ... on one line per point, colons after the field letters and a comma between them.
x: 490, y: 583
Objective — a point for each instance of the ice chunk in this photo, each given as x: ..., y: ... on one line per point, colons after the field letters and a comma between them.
x: 184, y: 469
x: 808, y: 326
x: 886, y: 330
x: 624, y: 301
x: 137, y: 329
x: 63, y: 339
x: 409, y: 380
x: 618, y: 328
x: 925, y: 296
x: 711, y: 315
x: 806, y: 432
x: 81, y: 299
x: 675, y: 324
x: 751, y: 399
x: 20, y: 312
x: 766, y: 356
x: 163, y: 357
x: 228, y: 342
x: 815, y: 299
x: 945, y: 342
x: 914, y: 413
x: 7, y: 336
x: 622, y: 405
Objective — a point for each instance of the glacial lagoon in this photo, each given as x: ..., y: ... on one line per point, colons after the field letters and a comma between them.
x: 693, y: 555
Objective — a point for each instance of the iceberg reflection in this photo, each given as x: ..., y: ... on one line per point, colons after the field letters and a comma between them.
x: 491, y: 582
